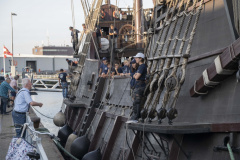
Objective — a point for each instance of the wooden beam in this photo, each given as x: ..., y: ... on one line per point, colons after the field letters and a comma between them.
x: 228, y: 62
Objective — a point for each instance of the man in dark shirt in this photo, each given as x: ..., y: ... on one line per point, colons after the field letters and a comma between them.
x: 74, y: 34
x: 63, y: 78
x: 103, y: 67
x: 71, y: 63
x: 4, y: 88
x: 113, y: 34
x: 98, y: 34
x: 117, y: 69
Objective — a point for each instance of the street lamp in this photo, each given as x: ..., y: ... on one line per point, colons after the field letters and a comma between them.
x: 12, y: 67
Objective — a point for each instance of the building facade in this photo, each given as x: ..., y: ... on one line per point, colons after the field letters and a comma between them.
x: 47, y: 64
x: 52, y: 50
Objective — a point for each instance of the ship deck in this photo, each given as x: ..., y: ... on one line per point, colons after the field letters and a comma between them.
x: 185, y: 128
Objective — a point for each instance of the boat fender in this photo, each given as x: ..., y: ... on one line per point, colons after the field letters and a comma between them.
x: 80, y: 147
x: 63, y: 134
x: 70, y: 140
x: 94, y: 155
x: 36, y: 121
x: 59, y: 119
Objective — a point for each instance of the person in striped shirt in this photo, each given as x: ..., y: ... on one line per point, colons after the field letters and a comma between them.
x: 4, y: 88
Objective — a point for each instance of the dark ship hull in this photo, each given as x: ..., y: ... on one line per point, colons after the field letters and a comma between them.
x: 205, y: 123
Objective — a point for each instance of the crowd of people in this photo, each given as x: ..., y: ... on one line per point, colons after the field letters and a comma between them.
x: 22, y: 100
x: 137, y: 70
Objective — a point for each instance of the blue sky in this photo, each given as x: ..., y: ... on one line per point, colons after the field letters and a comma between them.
x: 36, y: 18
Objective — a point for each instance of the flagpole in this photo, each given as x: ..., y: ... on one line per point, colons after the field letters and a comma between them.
x: 4, y: 66
x: 13, y: 71
x: 3, y: 62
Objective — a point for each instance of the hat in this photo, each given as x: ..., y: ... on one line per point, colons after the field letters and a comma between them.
x: 67, y: 59
x: 104, y: 58
x: 133, y: 61
x: 139, y: 55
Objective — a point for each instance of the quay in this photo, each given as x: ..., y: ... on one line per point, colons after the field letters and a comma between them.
x: 7, y: 132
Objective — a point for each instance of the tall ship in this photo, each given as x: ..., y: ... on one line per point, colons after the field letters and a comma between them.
x: 190, y: 107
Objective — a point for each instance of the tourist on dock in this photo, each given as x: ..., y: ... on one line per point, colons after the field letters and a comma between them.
x: 113, y: 34
x: 62, y: 80
x: 6, y: 76
x: 13, y: 84
x: 71, y: 63
x: 10, y: 76
x: 74, y: 34
x: 21, y: 105
x: 103, y: 67
x: 98, y: 35
x: 139, y: 86
x: 117, y: 69
x: 126, y: 68
x: 4, y: 88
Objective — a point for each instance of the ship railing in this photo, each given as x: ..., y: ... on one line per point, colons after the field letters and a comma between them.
x: 45, y: 76
x: 33, y: 138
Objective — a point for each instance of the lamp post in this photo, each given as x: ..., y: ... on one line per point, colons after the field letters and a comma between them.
x: 12, y: 66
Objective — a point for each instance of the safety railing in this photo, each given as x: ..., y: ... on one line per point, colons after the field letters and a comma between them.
x: 33, y: 138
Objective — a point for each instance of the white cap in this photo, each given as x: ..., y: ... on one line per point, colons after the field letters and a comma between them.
x: 140, y: 55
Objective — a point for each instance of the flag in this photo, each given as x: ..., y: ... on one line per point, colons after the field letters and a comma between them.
x: 6, y: 52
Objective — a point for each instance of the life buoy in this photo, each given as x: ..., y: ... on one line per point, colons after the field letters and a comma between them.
x: 116, y: 14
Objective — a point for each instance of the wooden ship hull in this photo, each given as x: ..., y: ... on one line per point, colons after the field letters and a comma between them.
x: 192, y: 103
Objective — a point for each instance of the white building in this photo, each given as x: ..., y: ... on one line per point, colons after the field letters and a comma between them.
x: 36, y: 62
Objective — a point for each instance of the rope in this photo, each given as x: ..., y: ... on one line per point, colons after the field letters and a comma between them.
x: 95, y: 46
x: 230, y: 152
x: 41, y: 113
x: 183, y: 69
x: 73, y: 17
x: 185, y: 60
x: 63, y: 149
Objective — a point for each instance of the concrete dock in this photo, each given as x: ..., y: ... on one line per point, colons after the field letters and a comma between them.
x: 7, y: 132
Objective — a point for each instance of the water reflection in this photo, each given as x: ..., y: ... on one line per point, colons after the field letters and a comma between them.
x: 52, y: 102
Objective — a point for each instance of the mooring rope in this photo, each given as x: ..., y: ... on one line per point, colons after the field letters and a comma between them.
x: 41, y: 113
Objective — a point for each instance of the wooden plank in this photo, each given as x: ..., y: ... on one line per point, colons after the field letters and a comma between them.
x: 113, y: 136
x: 135, y: 145
x: 229, y: 61
x: 225, y: 127
x: 97, y: 132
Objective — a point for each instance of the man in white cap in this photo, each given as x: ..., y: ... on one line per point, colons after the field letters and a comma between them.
x: 139, y: 86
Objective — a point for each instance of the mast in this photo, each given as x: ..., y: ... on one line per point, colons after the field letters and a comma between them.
x: 107, y: 1
x: 138, y: 22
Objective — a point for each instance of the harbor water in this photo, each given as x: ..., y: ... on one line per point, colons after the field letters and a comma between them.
x: 52, y: 102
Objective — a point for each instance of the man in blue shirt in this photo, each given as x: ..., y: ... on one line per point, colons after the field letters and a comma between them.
x: 63, y: 78
x: 103, y: 67
x: 22, y: 103
x: 4, y: 87
x: 70, y: 62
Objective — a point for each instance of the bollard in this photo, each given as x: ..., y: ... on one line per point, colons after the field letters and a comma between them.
x: 36, y: 121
